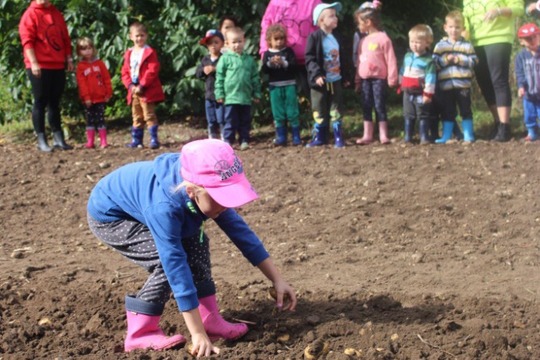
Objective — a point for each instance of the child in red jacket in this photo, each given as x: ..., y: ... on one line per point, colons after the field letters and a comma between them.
x: 140, y: 77
x: 95, y: 90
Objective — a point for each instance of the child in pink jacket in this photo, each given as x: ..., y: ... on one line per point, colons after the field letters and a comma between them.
x: 377, y: 69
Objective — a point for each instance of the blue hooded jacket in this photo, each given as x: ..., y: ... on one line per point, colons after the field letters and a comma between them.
x: 144, y: 191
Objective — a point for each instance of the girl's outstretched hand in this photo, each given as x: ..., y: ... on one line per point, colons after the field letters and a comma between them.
x: 284, y: 295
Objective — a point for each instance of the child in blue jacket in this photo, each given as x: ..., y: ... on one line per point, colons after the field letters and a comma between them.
x: 153, y: 213
x: 528, y: 78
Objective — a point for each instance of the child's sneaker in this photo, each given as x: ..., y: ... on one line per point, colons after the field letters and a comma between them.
x: 244, y: 146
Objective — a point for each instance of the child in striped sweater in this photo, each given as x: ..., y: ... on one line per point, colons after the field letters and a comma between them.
x: 455, y: 59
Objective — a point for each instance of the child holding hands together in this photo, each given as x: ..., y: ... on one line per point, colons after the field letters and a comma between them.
x: 279, y: 62
x: 95, y: 90
x: 140, y: 77
x: 455, y: 59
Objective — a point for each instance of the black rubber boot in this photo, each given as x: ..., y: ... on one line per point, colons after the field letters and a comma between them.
x: 503, y: 133
x: 409, y: 130
x: 423, y: 130
x: 42, y: 143
x: 58, y: 141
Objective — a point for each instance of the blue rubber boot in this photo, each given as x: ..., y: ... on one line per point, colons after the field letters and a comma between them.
x: 447, y: 131
x: 154, y: 142
x: 468, y: 130
x: 136, y: 138
x: 409, y: 130
x: 320, y: 136
x: 296, y: 139
x: 339, y: 141
x: 281, y: 136
x: 457, y: 131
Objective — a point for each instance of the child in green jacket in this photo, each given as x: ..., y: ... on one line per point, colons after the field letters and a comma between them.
x: 237, y: 85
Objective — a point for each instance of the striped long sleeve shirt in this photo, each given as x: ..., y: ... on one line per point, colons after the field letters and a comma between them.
x: 449, y: 74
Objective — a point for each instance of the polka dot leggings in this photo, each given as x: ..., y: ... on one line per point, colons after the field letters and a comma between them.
x: 134, y: 241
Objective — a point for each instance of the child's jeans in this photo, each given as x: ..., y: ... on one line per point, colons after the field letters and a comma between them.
x: 237, y: 119
x: 459, y: 97
x: 143, y: 113
x: 215, y: 116
x: 531, y: 113
x: 415, y: 108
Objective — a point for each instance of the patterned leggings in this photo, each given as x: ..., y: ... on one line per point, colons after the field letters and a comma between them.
x: 134, y: 241
x: 95, y: 116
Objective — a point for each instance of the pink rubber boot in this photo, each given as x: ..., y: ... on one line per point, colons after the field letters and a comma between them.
x: 383, y: 133
x: 368, y: 134
x: 90, y: 134
x: 103, y: 138
x: 216, y: 327
x: 144, y: 333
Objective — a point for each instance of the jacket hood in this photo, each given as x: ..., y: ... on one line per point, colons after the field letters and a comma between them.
x: 45, y: 7
x: 167, y: 171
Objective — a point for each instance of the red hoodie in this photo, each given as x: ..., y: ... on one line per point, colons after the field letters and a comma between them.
x: 148, y: 76
x: 42, y: 28
x: 94, y: 81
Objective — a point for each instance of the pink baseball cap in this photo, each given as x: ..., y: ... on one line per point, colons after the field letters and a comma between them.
x: 212, y: 164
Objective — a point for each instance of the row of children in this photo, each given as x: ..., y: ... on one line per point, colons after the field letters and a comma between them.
x: 433, y: 84
x: 232, y: 81
x: 438, y: 83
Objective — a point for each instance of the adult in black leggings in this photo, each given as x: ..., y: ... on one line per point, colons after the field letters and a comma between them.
x: 47, y: 53
x: 491, y: 28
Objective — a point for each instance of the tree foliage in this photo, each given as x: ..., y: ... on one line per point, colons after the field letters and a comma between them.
x: 175, y: 28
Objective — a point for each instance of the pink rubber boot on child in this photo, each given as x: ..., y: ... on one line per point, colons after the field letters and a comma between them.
x: 368, y: 134
x: 143, y: 331
x: 383, y: 133
x: 216, y: 327
x: 90, y: 134
x: 103, y: 138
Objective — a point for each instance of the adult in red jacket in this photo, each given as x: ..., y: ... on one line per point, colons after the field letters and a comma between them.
x: 47, y: 49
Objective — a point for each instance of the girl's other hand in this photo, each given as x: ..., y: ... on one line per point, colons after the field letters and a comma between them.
x: 88, y: 103
x: 202, y: 346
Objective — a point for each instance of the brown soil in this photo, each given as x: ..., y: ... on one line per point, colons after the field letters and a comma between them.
x: 397, y: 252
